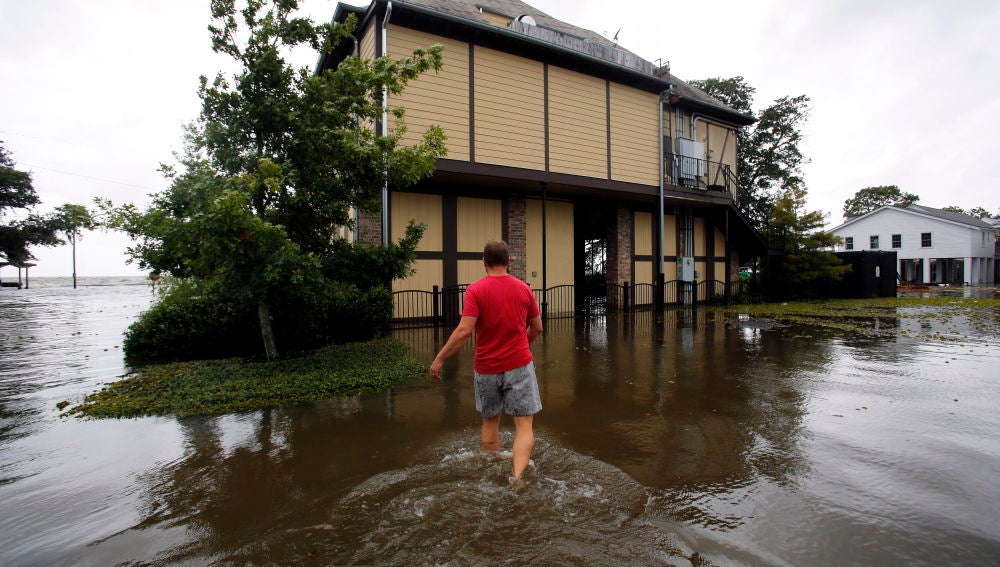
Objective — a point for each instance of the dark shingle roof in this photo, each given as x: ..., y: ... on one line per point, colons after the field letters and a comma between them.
x: 470, y: 10
x: 950, y: 216
x: 698, y: 96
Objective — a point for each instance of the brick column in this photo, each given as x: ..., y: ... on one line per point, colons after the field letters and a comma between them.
x: 370, y: 228
x: 517, y: 212
x: 619, y: 260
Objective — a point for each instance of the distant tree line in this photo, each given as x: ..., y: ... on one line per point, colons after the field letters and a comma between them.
x: 18, y: 199
x: 870, y: 198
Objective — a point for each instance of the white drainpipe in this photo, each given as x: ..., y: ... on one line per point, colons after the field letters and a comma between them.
x: 385, y: 128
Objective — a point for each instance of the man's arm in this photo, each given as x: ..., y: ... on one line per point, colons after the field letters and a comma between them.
x: 459, y: 337
x: 534, y: 328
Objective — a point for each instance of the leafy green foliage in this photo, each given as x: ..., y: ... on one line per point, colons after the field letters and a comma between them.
x: 17, y: 192
x: 978, y: 212
x: 346, y: 300
x: 870, y: 198
x: 276, y: 162
x: 807, y: 264
x: 768, y: 157
x: 232, y: 385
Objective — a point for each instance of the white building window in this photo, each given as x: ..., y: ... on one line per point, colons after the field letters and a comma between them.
x: 897, y: 240
x: 925, y: 240
x: 849, y: 243
x: 873, y: 242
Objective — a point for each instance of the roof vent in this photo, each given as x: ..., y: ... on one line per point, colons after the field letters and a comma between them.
x: 525, y: 18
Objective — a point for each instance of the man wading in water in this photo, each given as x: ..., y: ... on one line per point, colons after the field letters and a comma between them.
x: 503, y: 311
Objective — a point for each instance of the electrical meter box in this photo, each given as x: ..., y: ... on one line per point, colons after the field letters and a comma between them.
x: 685, y: 269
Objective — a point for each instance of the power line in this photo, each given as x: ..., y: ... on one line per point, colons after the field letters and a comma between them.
x: 88, y: 176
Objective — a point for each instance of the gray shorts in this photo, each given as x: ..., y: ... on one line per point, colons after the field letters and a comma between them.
x: 515, y: 392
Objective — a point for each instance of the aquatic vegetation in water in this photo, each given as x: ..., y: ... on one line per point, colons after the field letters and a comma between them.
x: 934, y: 318
x: 234, y: 385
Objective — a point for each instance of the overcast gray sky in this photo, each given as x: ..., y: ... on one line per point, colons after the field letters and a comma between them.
x: 904, y: 92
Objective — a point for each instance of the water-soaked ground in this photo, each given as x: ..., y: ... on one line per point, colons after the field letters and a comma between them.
x: 690, y: 439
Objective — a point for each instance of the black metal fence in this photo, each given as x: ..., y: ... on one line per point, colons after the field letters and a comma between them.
x: 443, y: 306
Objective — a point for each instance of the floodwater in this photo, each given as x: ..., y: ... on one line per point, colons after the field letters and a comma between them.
x: 687, y: 440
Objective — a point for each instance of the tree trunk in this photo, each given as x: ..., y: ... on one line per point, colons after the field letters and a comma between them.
x: 72, y: 239
x: 266, y: 331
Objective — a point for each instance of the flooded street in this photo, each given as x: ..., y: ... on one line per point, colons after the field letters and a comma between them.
x: 690, y: 439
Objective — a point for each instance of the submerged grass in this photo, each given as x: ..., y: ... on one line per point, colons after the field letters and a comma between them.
x: 235, y: 385
x: 940, y: 318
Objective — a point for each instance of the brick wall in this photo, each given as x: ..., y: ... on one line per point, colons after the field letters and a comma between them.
x: 516, y: 239
x: 370, y: 228
x: 619, y: 260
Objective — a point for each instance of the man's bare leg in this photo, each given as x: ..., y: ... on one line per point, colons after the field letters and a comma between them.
x: 490, y: 435
x: 524, y: 442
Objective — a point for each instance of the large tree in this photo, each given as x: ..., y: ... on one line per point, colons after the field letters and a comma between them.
x: 18, y: 193
x: 769, y: 160
x: 807, y: 264
x: 870, y: 198
x: 276, y: 161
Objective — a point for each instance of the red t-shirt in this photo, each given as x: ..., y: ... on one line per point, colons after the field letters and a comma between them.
x: 502, y: 306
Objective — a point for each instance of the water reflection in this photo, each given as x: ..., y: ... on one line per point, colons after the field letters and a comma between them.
x: 662, y: 437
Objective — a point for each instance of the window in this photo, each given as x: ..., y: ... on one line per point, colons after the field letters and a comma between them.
x: 873, y: 242
x: 897, y: 240
x: 849, y: 243
x: 925, y: 239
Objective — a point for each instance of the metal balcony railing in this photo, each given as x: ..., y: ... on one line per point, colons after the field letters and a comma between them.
x: 702, y: 174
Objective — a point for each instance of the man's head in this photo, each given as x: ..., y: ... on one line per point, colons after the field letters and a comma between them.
x: 496, y: 253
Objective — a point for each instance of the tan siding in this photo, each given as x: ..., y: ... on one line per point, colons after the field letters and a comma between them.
x: 510, y: 110
x: 421, y: 208
x: 634, y: 140
x: 720, y: 272
x: 699, y: 268
x: 498, y: 20
x: 642, y: 244
x: 644, y: 270
x: 720, y: 243
x: 669, y: 236
x: 559, y: 243
x: 440, y: 98
x: 470, y: 271
x: 428, y: 274
x: 577, y: 124
x: 366, y: 48
x: 479, y: 220
x: 721, y: 150
x: 699, y: 236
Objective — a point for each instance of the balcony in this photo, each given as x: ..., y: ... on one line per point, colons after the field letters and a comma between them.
x: 712, y: 176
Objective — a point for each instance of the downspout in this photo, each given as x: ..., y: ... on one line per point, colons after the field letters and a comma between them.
x: 659, y: 232
x: 385, y: 128
x: 356, y: 212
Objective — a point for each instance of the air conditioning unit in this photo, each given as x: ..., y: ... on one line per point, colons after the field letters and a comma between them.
x: 690, y: 160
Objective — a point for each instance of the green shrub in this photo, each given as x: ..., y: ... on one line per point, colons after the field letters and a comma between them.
x: 190, y: 321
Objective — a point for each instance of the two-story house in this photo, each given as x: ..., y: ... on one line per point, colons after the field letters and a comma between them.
x: 556, y: 136
x: 932, y: 245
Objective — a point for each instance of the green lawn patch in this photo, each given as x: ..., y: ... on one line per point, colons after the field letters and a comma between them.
x: 235, y: 385
x: 943, y: 317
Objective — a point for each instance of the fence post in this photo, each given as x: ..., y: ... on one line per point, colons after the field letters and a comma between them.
x: 437, y: 305
x: 625, y: 297
x: 660, y: 292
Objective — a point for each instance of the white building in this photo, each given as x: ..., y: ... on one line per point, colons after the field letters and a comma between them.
x: 931, y: 245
